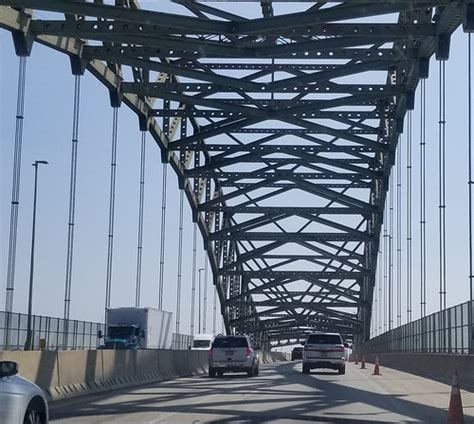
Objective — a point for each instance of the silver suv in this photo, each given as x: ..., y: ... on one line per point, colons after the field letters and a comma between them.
x: 233, y: 354
x: 324, y: 350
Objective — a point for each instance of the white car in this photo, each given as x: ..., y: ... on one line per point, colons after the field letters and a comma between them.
x: 324, y: 350
x: 233, y: 354
x: 21, y: 401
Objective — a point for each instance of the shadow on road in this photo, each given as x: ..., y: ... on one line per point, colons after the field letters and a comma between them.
x: 281, y: 392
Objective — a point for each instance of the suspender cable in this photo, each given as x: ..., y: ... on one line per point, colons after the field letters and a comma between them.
x: 11, y: 259
x: 17, y: 150
x: 386, y: 267
x: 380, y: 302
x: 399, y: 234
x: 204, y: 302
x: 390, y: 255
x: 214, y: 311
x: 141, y: 201
x: 72, y: 208
x: 180, y: 261
x: 423, y: 199
x: 470, y: 182
x: 442, y: 184
x: 163, y: 236
x: 409, y: 287
x: 113, y: 171
x: 193, y: 280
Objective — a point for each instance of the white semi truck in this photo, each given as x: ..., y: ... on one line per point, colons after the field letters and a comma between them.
x: 137, y: 328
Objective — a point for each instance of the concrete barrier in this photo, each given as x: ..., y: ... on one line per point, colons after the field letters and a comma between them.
x: 436, y: 366
x: 67, y: 374
x: 271, y: 357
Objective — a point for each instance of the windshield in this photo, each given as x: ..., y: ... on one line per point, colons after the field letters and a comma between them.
x: 202, y: 343
x: 324, y: 339
x: 122, y: 331
x: 230, y: 342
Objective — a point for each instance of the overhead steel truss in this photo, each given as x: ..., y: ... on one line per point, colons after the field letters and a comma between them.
x: 282, y: 130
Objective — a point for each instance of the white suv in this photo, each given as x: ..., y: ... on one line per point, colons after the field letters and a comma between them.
x: 324, y: 350
x: 233, y: 354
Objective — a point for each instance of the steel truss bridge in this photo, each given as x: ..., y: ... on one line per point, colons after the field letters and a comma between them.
x: 282, y: 129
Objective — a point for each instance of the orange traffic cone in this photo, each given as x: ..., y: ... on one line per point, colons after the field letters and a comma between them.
x: 362, y: 365
x: 356, y: 360
x: 376, y: 367
x: 455, y: 414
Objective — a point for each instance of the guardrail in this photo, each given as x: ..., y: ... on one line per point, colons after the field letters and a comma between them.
x: 49, y: 333
x: 450, y: 331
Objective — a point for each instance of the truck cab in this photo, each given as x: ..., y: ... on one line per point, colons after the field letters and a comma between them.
x: 126, y: 336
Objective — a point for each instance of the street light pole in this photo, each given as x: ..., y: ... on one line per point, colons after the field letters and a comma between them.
x: 199, y: 299
x: 29, y: 333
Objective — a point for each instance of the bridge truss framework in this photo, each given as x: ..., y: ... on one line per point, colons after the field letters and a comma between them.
x: 282, y: 130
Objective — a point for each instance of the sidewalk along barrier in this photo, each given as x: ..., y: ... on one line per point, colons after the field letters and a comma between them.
x: 66, y: 374
x: 436, y: 366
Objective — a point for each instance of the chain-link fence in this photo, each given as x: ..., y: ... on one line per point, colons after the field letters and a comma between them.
x: 181, y: 341
x: 49, y: 333
x: 448, y: 331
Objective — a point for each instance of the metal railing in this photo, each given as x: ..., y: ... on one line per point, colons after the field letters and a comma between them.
x: 448, y: 331
x: 49, y: 333
x: 181, y: 341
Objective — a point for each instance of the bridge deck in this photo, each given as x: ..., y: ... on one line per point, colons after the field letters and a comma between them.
x: 280, y: 394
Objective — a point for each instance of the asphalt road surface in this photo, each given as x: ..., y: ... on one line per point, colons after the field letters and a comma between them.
x: 281, y: 394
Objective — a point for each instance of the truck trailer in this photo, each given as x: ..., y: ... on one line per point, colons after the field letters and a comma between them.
x: 137, y: 328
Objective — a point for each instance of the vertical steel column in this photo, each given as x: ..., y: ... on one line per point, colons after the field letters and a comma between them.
x: 423, y: 199
x: 141, y: 201
x: 180, y: 261
x: 72, y: 208
x: 113, y: 172
x: 409, y: 218
x: 442, y: 184
x: 193, y: 279
x: 17, y: 150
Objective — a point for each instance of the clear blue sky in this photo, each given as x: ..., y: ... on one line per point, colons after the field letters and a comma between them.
x: 47, y: 135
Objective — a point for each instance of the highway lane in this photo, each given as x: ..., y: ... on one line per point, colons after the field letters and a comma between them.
x: 281, y: 394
